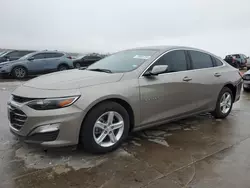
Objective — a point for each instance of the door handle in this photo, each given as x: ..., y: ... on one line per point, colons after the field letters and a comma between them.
x: 186, y: 79
x: 217, y: 74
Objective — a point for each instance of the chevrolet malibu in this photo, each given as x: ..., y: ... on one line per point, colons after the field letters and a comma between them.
x: 126, y: 91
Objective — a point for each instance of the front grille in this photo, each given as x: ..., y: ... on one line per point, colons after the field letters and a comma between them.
x: 17, y: 117
x: 21, y: 99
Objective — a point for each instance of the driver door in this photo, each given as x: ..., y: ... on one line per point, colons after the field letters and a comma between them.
x: 168, y: 94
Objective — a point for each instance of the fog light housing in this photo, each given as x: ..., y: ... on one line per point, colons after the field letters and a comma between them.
x: 44, y: 133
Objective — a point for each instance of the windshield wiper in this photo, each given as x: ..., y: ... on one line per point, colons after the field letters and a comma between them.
x: 101, y: 70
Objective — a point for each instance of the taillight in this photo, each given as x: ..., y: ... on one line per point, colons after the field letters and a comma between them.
x: 69, y: 57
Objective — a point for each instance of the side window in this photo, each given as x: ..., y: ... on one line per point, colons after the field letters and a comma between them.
x: 53, y: 55
x: 39, y: 56
x: 176, y: 61
x: 200, y: 60
x: 217, y: 62
x: 23, y: 53
x: 87, y: 58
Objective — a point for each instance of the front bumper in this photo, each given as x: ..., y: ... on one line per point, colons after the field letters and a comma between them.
x: 49, y: 128
x: 246, y: 84
x: 5, y: 69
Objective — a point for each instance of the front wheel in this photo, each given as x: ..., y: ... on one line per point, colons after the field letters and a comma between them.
x: 19, y: 72
x: 105, y: 128
x: 224, y: 103
x: 78, y: 65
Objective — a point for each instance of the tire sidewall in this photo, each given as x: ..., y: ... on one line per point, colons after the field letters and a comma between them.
x: 86, y: 133
x: 218, y: 112
x: 78, y: 66
x: 14, y: 73
x: 60, y: 66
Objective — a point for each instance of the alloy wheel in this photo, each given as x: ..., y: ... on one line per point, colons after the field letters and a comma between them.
x: 225, y: 103
x: 20, y: 72
x: 108, y: 129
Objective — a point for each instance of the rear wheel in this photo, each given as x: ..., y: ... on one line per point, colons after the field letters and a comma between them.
x: 224, y: 103
x: 78, y: 65
x: 19, y: 72
x: 105, y: 128
x: 63, y: 67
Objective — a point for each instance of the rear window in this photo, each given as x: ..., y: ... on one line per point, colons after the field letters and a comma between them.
x: 54, y: 55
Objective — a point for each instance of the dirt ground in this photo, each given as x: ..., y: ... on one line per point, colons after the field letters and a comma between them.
x: 198, y: 152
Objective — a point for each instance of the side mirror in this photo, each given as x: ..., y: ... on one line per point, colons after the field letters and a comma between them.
x: 31, y: 58
x: 158, y: 69
x: 247, y: 57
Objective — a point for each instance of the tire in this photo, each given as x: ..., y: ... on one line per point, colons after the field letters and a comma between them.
x: 246, y: 89
x: 90, y: 133
x: 77, y: 65
x: 19, y: 72
x: 223, y: 112
x: 63, y: 68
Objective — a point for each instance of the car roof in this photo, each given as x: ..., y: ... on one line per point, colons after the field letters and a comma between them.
x: 46, y: 51
x: 167, y: 48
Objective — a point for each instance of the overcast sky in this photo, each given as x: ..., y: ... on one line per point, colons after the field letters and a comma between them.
x: 219, y: 26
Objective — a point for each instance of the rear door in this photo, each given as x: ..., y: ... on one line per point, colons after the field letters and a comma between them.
x: 53, y: 60
x: 170, y: 94
x: 206, y: 79
x: 38, y: 64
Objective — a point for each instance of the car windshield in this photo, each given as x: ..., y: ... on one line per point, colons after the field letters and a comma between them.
x: 3, y: 53
x: 123, y: 61
x: 25, y: 57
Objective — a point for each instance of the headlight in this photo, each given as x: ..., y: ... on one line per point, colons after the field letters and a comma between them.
x: 246, y: 77
x: 52, y: 103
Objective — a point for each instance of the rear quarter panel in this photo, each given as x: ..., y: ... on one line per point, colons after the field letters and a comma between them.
x: 230, y: 75
x: 67, y: 61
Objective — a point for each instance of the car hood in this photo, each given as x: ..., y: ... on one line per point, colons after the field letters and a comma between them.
x: 72, y: 79
x: 9, y: 62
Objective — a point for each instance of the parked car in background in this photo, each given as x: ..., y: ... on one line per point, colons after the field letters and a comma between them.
x: 237, y: 60
x: 2, y: 52
x: 11, y: 55
x: 126, y: 91
x: 86, y: 60
x: 37, y: 63
x: 248, y: 63
x: 246, y: 81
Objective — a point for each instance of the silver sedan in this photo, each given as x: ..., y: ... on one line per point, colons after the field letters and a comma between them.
x: 126, y: 91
